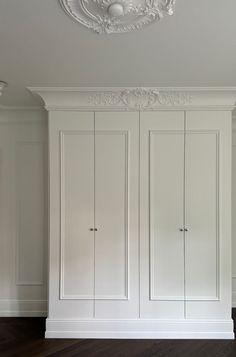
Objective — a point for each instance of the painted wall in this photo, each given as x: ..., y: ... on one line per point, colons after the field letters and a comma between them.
x: 23, y: 213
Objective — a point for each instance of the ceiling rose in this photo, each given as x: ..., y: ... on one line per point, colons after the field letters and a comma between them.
x: 116, y: 16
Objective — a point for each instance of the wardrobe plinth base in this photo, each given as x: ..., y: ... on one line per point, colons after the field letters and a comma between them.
x: 140, y: 329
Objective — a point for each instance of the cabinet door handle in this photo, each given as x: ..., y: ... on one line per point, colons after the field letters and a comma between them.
x: 95, y: 229
x: 91, y: 229
x: 183, y: 229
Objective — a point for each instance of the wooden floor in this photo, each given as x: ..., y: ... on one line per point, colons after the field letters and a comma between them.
x: 24, y: 337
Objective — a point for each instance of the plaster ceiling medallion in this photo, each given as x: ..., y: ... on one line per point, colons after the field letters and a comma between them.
x: 117, y: 16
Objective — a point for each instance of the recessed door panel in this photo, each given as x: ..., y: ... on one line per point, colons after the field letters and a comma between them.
x: 202, y: 215
x: 161, y: 215
x: 111, y: 214
x: 116, y: 215
x: 77, y: 209
x: 71, y: 158
x: 166, y: 172
x: 208, y: 214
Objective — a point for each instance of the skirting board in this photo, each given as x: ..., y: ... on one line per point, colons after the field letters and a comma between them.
x: 144, y: 329
x: 23, y: 308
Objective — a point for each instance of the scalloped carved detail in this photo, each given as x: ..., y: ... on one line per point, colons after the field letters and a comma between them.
x: 106, y: 99
x: 140, y: 98
x: 174, y: 98
x: 102, y: 16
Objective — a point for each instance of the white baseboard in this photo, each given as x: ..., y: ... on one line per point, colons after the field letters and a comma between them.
x: 146, y: 329
x: 23, y: 308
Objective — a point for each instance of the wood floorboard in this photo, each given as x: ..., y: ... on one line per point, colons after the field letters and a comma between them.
x: 24, y: 337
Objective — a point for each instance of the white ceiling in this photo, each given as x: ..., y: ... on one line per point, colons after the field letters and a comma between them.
x: 40, y: 45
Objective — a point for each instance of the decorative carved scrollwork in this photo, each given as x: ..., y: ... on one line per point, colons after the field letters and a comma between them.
x: 140, y: 98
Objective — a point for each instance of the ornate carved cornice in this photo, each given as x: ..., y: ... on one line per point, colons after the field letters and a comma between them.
x: 136, y: 99
x: 140, y: 98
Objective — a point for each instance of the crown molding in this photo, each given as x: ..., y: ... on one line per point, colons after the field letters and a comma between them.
x: 136, y: 98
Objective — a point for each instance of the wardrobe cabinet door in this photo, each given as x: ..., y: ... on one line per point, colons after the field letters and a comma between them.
x: 72, y: 213
x: 77, y: 210
x: 116, y: 215
x: 161, y: 214
x: 208, y: 144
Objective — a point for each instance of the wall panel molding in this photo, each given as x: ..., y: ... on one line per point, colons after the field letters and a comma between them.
x: 23, y: 181
x: 29, y: 229
x: 23, y: 308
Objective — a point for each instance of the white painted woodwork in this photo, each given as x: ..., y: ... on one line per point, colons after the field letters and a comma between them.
x: 159, y: 262
x: 71, y: 242
x: 111, y: 214
x: 98, y: 189
x: 77, y: 213
x: 23, y: 213
x: 208, y: 204
x: 140, y: 328
x: 234, y: 205
x: 161, y: 215
x: 116, y: 215
x: 202, y: 214
x: 233, y: 213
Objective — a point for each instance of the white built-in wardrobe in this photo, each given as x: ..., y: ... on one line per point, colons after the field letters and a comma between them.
x: 140, y: 214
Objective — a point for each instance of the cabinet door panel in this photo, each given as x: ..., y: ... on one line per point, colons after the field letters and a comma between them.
x: 77, y: 201
x: 116, y: 215
x: 71, y: 263
x: 161, y: 215
x: 202, y: 215
x: 208, y: 215
x: 111, y: 214
x: 166, y: 215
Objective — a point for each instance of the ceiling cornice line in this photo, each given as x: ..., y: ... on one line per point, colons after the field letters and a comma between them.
x: 136, y: 98
x: 21, y: 108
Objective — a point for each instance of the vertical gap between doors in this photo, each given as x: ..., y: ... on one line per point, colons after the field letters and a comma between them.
x: 94, y: 218
x: 139, y: 273
x: 184, y: 213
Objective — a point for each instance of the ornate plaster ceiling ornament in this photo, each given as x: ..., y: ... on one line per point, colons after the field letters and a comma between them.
x: 117, y: 16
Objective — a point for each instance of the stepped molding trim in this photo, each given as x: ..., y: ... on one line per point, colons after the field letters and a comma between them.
x: 163, y: 329
x: 136, y: 98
